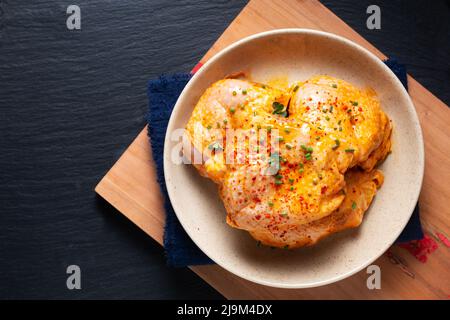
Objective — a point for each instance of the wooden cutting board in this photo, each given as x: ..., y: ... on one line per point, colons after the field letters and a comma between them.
x: 131, y: 187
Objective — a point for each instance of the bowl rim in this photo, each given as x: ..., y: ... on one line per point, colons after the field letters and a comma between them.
x: 347, y: 42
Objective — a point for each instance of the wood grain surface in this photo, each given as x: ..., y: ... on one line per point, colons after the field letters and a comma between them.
x: 130, y: 185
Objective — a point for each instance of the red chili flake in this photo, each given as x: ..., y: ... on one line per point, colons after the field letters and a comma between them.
x: 344, y: 108
x: 267, y: 216
x: 421, y: 248
x: 309, y: 99
x: 444, y: 239
x: 307, y: 108
x: 360, y: 109
x: 323, y: 189
x: 256, y: 199
x: 258, y: 216
x: 254, y: 178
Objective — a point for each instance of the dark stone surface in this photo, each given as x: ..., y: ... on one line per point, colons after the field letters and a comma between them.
x: 71, y: 102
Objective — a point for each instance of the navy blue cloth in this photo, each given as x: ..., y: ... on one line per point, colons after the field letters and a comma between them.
x: 162, y: 96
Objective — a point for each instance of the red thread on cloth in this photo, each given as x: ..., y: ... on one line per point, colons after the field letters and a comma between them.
x: 197, y: 66
x: 444, y: 239
x: 421, y: 248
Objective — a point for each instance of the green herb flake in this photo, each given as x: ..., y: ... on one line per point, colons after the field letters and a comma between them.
x: 337, y: 144
x: 215, y: 146
x: 353, y: 205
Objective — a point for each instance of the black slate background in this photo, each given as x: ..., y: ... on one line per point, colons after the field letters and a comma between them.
x: 72, y: 101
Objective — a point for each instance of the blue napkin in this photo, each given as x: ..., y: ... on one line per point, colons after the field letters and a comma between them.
x: 179, y: 248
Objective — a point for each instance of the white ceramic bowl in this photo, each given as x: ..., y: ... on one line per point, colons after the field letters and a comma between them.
x: 300, y: 54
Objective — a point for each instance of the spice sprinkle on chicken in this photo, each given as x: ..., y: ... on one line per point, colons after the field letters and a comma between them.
x: 318, y: 177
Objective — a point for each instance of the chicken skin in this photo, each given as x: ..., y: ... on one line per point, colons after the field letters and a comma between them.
x: 292, y: 165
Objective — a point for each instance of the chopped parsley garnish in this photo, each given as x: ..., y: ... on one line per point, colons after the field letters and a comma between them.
x: 350, y: 150
x: 337, y: 144
x: 279, y: 108
x: 307, y: 149
x: 334, y: 85
x: 353, y: 205
x: 215, y: 146
x: 296, y: 88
